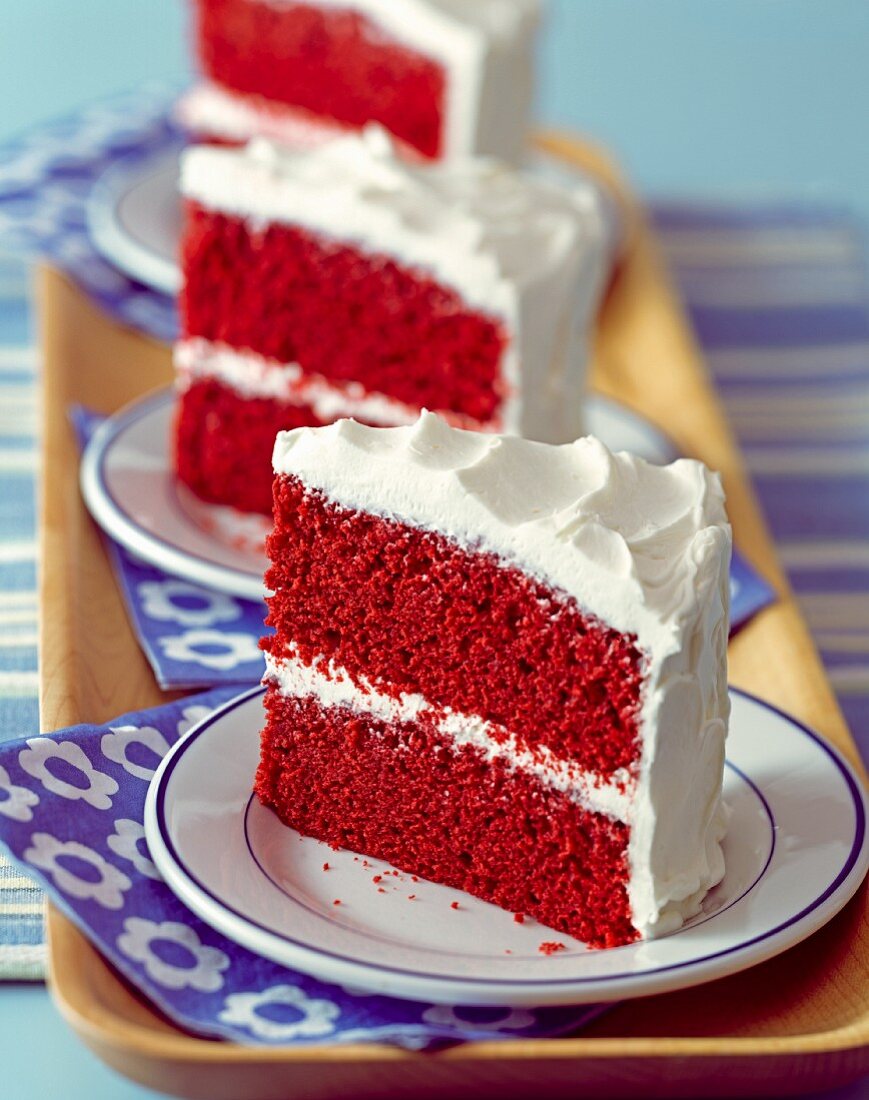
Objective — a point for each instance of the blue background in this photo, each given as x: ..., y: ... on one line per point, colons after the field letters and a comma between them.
x: 738, y: 98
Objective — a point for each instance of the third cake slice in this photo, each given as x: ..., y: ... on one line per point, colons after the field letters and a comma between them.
x: 501, y: 665
x: 446, y: 77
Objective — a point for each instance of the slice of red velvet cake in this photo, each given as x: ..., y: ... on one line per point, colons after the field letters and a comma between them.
x: 344, y: 282
x: 445, y: 77
x: 501, y: 665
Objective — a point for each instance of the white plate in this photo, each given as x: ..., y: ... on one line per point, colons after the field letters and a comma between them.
x: 134, y: 215
x: 130, y: 489
x: 795, y: 851
x: 134, y: 218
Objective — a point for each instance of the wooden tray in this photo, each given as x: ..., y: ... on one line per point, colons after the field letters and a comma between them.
x: 797, y: 1023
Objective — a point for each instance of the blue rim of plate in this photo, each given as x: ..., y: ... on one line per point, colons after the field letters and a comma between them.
x: 113, y: 517
x: 157, y: 799
x: 125, y: 252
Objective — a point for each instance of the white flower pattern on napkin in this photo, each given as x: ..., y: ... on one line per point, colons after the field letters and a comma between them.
x: 159, y: 602
x: 41, y: 750
x: 46, y: 852
x: 115, y: 746
x: 124, y: 842
x: 198, y: 647
x: 205, y: 971
x: 16, y: 802
x: 316, y: 1016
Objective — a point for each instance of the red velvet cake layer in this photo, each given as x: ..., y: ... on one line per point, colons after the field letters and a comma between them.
x: 294, y: 297
x: 224, y: 443
x: 403, y: 794
x: 412, y: 611
x: 331, y: 61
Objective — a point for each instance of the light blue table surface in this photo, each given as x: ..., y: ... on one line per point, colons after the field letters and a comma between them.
x: 700, y: 97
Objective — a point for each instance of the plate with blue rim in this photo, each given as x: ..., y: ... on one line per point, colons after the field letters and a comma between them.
x: 795, y: 852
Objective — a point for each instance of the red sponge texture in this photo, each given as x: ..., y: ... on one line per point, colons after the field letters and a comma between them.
x: 412, y: 611
x: 332, y: 62
x: 294, y: 297
x: 402, y: 794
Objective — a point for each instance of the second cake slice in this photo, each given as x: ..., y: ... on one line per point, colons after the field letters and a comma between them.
x: 343, y: 282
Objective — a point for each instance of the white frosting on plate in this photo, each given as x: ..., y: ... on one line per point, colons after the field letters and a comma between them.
x: 644, y: 549
x: 486, y: 48
x: 527, y: 252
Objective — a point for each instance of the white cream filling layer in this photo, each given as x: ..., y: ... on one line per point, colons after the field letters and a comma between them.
x: 253, y: 376
x: 213, y: 111
x: 335, y: 687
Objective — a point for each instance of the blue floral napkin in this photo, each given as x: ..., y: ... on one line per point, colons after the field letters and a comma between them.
x: 71, y: 811
x: 47, y: 176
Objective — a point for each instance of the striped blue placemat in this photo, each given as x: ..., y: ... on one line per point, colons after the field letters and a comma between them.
x: 780, y: 301
x: 779, y: 298
x: 22, y: 936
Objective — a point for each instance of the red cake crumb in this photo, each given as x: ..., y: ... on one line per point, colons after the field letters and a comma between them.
x: 350, y: 317
x: 550, y: 947
x: 454, y: 905
x: 373, y: 595
x: 519, y: 918
x: 337, y: 901
x: 445, y: 814
x: 377, y: 878
x: 325, y: 866
x: 380, y: 890
x: 335, y: 63
x: 411, y: 897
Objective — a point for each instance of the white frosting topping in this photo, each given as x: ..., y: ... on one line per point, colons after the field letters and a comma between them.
x: 644, y: 549
x: 478, y: 225
x: 528, y: 252
x: 625, y: 538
